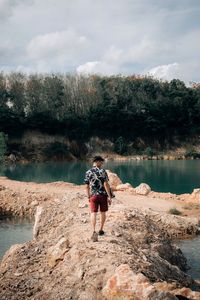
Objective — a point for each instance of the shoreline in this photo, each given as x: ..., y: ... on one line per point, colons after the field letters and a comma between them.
x: 108, y: 157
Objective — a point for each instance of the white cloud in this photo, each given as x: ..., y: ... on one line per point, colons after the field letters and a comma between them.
x: 166, y: 72
x: 97, y: 67
x: 104, y: 36
x: 55, y: 43
x: 55, y: 49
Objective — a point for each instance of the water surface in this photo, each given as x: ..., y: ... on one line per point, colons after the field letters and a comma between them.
x: 179, y: 176
x: 191, y: 250
x: 14, y: 231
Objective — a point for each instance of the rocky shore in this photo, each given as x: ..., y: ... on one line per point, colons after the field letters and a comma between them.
x: 136, y: 259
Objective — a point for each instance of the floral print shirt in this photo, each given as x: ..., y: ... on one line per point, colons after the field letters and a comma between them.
x: 96, y: 177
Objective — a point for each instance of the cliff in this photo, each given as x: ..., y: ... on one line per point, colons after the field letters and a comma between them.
x: 136, y: 259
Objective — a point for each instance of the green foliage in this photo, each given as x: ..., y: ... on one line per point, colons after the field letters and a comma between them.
x: 149, y: 151
x: 109, y: 107
x: 191, y: 152
x: 56, y: 150
x: 3, y: 147
x: 175, y: 211
x: 120, y: 146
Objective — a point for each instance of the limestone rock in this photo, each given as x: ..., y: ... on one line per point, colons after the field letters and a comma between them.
x: 57, y: 252
x: 37, y: 221
x: 172, y: 288
x: 196, y: 195
x: 124, y: 187
x: 124, y: 284
x: 114, y: 180
x: 143, y: 189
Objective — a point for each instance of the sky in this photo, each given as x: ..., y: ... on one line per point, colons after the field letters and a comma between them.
x: 160, y: 38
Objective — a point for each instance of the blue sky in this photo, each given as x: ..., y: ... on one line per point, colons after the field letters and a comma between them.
x: 156, y: 37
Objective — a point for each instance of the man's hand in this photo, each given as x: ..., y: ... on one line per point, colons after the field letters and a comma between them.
x: 109, y: 200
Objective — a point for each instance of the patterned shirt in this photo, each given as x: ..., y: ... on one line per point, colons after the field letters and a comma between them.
x: 96, y: 177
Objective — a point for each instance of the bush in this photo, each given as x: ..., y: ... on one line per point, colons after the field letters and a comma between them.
x: 120, y: 146
x: 149, y: 151
x: 175, y: 211
x: 191, y: 152
x: 3, y: 147
x: 57, y: 150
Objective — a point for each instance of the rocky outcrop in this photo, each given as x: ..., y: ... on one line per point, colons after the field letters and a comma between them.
x: 61, y: 261
x: 127, y: 285
x: 114, y: 180
x: 142, y: 189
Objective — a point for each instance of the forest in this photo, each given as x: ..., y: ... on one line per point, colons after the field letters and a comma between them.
x: 80, y: 107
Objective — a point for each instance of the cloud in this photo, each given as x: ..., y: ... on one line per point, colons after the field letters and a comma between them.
x: 104, y: 36
x: 55, y: 48
x: 166, y: 72
x: 96, y: 67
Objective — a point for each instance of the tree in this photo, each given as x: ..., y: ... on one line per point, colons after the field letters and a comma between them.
x: 3, y: 147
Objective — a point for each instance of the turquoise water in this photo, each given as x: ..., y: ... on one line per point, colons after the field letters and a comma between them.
x: 180, y: 176
x: 191, y: 250
x: 14, y: 231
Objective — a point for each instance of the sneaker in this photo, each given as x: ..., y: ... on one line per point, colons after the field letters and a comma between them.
x: 101, y: 232
x: 94, y: 237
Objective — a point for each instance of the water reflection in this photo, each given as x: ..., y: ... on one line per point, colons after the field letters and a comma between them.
x: 180, y: 176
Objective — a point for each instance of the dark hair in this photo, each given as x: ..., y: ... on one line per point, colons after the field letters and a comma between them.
x: 98, y: 158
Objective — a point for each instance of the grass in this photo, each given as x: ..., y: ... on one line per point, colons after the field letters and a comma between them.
x: 175, y: 211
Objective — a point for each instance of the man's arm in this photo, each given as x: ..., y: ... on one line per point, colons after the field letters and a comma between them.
x: 107, y: 188
x: 88, y: 191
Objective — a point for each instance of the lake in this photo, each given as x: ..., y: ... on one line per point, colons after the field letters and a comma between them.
x: 14, y: 231
x: 178, y: 176
x: 191, y: 250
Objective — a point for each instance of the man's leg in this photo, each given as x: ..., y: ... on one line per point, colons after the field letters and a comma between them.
x: 93, y: 220
x: 102, y: 219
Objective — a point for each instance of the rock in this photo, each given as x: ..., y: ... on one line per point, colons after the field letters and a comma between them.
x: 36, y: 227
x: 83, y: 205
x: 196, y: 195
x: 57, y: 252
x: 123, y: 187
x: 186, y: 293
x: 12, y: 158
x: 114, y: 180
x: 125, y: 284
x: 142, y: 189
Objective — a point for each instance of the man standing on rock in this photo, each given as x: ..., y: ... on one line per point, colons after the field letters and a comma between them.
x: 99, y: 194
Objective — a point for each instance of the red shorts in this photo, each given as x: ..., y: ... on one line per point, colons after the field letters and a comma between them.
x: 97, y: 201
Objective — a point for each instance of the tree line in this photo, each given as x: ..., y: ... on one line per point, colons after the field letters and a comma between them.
x: 109, y: 107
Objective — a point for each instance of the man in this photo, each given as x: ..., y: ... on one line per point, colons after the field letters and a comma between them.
x: 99, y: 194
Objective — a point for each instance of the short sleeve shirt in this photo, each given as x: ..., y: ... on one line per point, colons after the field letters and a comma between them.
x: 96, y: 177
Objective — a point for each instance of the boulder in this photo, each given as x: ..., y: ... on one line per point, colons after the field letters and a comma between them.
x: 114, y: 180
x: 182, y: 293
x: 196, y: 195
x: 57, y: 252
x: 142, y: 189
x: 125, y: 284
x: 124, y: 187
x: 36, y: 226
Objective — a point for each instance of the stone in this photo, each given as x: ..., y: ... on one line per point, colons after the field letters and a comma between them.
x: 126, y: 285
x: 114, y: 180
x: 12, y: 158
x: 196, y: 195
x: 36, y: 226
x: 142, y: 189
x: 57, y: 252
x: 124, y: 187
